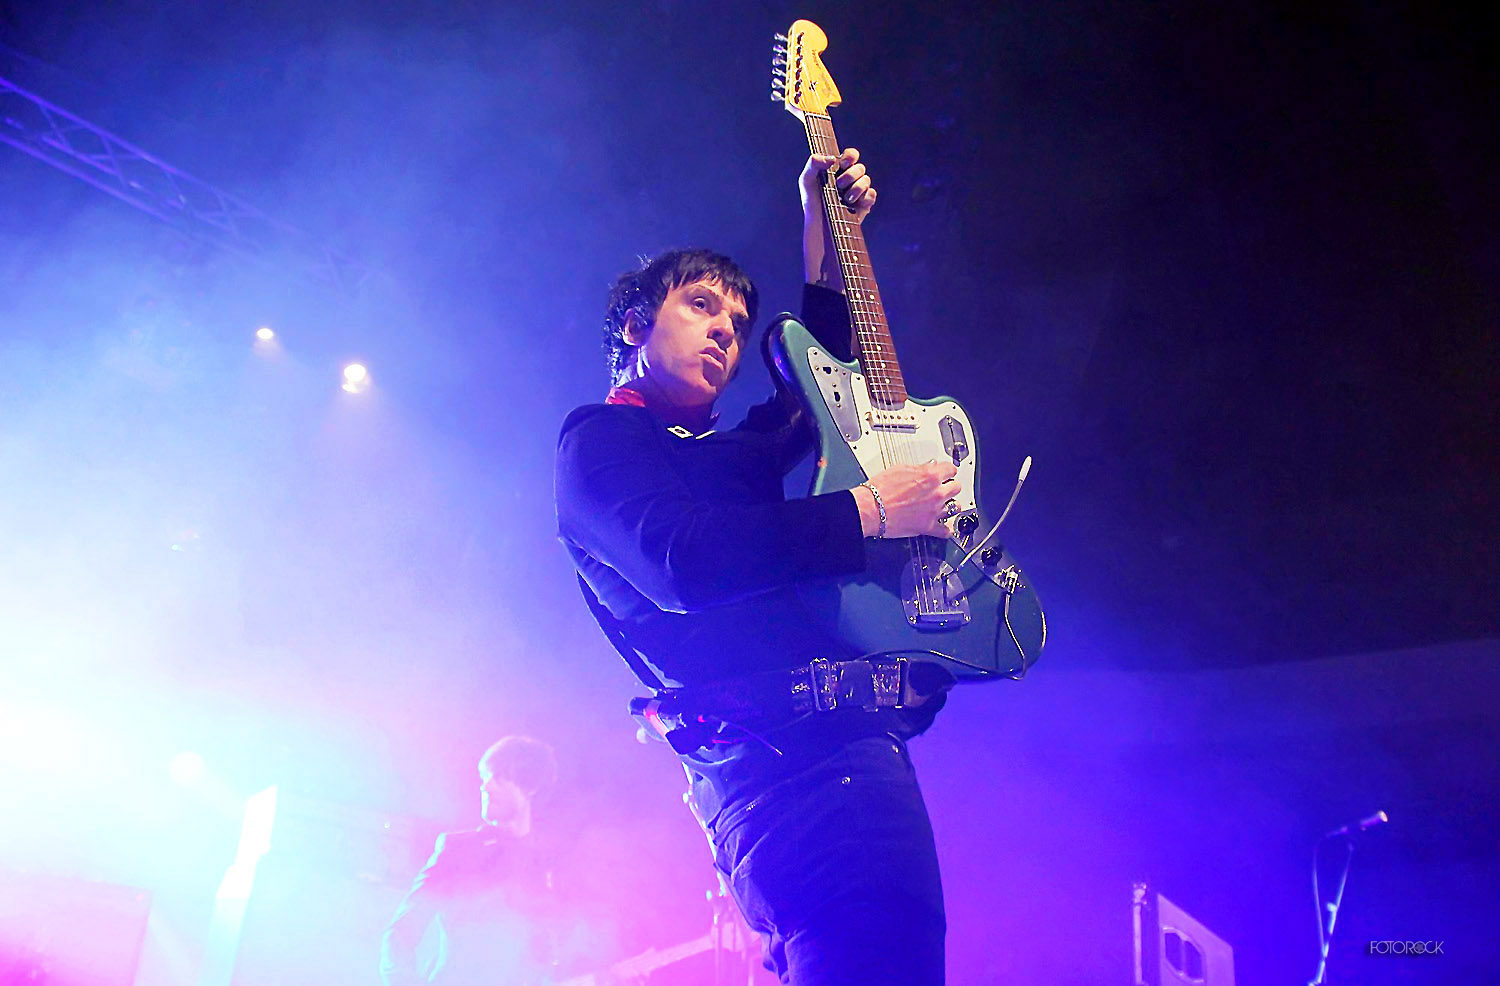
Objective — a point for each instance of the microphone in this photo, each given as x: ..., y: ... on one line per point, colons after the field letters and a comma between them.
x: 1364, y: 824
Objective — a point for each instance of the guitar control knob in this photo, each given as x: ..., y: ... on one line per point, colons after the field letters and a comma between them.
x: 950, y: 509
x: 967, y: 523
x: 990, y: 555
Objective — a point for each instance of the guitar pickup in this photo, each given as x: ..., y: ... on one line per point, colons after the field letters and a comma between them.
x: 891, y: 420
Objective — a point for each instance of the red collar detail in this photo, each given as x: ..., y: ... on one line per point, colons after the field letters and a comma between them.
x: 625, y: 395
x: 697, y: 419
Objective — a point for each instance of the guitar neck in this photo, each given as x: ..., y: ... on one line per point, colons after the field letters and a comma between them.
x: 872, y: 335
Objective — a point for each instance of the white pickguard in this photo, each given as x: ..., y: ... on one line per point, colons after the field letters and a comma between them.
x: 880, y: 438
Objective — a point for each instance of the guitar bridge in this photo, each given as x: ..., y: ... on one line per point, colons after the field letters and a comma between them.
x: 932, y: 595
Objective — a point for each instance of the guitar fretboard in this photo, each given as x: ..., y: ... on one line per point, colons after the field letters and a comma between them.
x: 877, y: 354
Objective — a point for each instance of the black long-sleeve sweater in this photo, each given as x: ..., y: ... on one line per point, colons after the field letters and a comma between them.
x: 688, y: 539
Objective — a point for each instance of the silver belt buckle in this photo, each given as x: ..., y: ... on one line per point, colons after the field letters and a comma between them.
x: 824, y: 684
x: 863, y: 684
x: 890, y: 682
x: 856, y: 684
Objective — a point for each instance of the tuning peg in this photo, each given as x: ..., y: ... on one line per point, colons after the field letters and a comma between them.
x: 780, y: 38
x: 779, y: 58
x: 778, y: 97
x: 778, y: 72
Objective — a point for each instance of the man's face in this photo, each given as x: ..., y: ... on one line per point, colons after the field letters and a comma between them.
x: 692, y: 350
x: 500, y: 801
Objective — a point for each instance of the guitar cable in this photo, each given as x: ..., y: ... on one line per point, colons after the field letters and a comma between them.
x: 928, y: 652
x: 1021, y: 479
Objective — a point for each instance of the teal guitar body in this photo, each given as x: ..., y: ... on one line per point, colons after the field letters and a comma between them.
x: 981, y: 618
x: 961, y: 601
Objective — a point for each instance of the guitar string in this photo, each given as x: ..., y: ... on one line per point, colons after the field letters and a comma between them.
x: 867, y: 303
x: 867, y: 310
x: 875, y: 381
x: 876, y: 352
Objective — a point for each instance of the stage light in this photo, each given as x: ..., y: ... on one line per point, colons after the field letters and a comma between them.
x: 356, y: 378
x: 265, y: 334
x: 186, y: 767
x: 233, y: 897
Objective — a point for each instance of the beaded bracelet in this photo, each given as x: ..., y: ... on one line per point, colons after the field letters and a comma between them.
x: 879, y: 505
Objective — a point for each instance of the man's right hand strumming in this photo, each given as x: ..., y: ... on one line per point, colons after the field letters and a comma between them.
x: 915, y: 498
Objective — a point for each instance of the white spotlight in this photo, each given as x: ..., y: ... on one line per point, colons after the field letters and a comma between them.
x: 356, y: 378
x: 186, y: 767
x: 265, y: 333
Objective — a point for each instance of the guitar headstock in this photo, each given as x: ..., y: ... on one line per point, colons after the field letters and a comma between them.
x: 799, y: 81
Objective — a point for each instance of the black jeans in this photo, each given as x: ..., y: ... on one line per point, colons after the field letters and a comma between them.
x: 828, y: 851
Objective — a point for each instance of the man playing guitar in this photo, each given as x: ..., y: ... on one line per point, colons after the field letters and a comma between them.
x: 691, y: 555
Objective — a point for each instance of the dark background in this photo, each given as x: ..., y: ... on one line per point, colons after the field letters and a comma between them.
x: 1228, y: 272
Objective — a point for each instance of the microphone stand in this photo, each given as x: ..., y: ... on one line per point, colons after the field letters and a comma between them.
x: 1325, y: 929
x: 725, y: 935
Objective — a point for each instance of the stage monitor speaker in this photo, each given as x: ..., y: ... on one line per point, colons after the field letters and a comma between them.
x: 1172, y: 948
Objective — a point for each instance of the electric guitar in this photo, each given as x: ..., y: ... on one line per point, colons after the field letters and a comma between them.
x: 961, y: 601
x: 637, y: 968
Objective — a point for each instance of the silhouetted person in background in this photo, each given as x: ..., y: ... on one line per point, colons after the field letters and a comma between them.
x: 486, y: 893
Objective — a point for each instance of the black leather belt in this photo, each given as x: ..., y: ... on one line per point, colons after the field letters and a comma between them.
x: 688, y: 717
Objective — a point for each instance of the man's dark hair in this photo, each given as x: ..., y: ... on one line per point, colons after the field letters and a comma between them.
x: 644, y: 289
x: 528, y: 763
